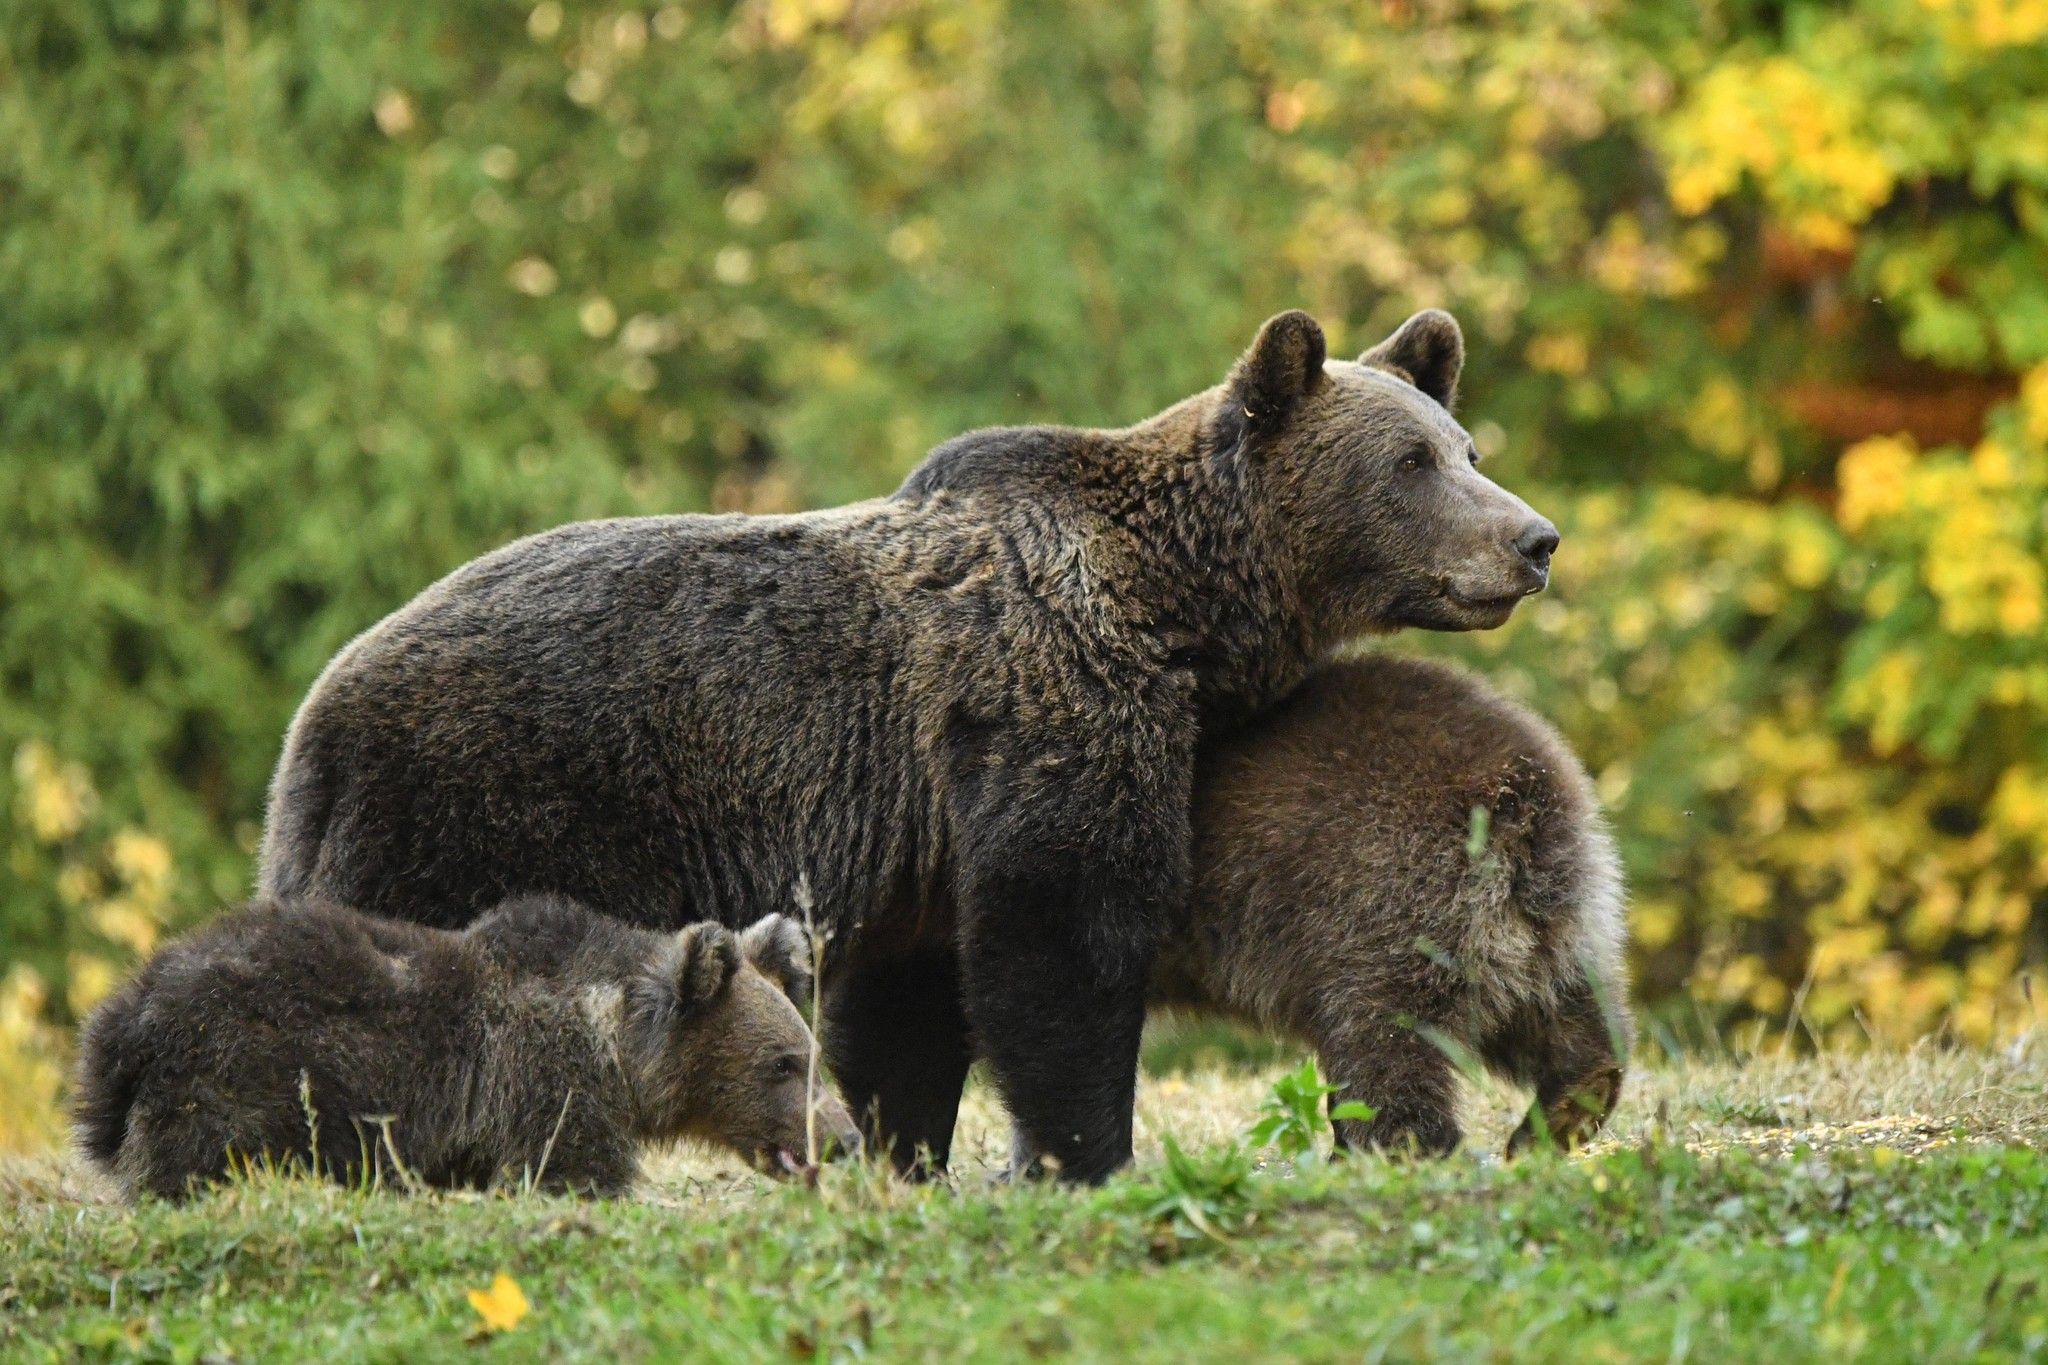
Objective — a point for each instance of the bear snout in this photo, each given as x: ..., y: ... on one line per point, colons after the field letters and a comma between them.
x: 1535, y: 543
x: 1498, y: 551
x: 830, y: 1128
x: 837, y: 1134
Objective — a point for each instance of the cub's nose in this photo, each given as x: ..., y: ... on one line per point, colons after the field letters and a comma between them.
x: 837, y: 1135
x: 1536, y: 542
x: 842, y: 1143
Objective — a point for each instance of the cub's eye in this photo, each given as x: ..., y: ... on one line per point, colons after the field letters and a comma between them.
x: 787, y: 1068
x: 1413, y: 461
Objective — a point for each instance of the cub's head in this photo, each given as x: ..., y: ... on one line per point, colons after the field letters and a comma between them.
x: 717, y: 1038
x: 1372, y: 487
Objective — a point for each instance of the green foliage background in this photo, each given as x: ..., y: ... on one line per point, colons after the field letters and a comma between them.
x: 302, y: 304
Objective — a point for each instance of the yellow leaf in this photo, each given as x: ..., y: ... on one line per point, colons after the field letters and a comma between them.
x: 502, y: 1305
x: 139, y: 857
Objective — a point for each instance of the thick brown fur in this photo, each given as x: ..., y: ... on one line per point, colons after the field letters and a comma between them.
x: 1348, y: 896
x: 964, y: 716
x: 543, y: 1043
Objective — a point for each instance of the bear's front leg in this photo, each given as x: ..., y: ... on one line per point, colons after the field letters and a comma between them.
x: 1062, y: 894
x: 1408, y: 1081
x: 1056, y: 990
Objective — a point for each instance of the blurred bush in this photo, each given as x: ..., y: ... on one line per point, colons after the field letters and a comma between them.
x: 308, y: 302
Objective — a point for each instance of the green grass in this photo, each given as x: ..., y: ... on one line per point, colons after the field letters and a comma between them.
x: 1628, y: 1255
x: 1877, y: 1230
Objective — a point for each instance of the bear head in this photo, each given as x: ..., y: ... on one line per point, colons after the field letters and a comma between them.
x: 719, y: 1050
x: 1371, y: 488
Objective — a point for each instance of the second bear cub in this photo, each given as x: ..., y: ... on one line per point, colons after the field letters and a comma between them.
x: 1404, y: 869
x: 542, y: 1043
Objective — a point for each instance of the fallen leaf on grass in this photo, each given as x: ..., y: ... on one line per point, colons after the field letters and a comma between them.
x: 501, y: 1306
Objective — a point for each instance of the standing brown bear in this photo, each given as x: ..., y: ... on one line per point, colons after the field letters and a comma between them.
x: 543, y: 1043
x: 965, y: 716
x: 1407, y: 871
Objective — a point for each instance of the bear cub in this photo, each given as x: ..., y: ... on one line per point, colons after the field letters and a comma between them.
x: 1399, y: 866
x: 543, y: 1043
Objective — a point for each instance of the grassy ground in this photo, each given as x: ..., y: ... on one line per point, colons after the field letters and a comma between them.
x: 1885, y: 1207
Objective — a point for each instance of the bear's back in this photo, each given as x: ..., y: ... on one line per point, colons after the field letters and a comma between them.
x: 1392, y: 799
x: 551, y: 943
x: 1396, y: 753
x: 284, y: 1024
x: 248, y: 1001
x: 664, y: 714
x: 1017, y: 461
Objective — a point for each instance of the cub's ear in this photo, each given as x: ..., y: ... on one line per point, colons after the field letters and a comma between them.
x: 1283, y: 366
x: 781, y: 951
x: 701, y: 966
x: 1428, y: 351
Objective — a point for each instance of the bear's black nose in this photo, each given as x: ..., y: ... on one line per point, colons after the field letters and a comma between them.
x: 1536, y: 542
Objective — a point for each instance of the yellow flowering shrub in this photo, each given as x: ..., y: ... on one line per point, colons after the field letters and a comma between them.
x: 1801, y: 137
x: 1824, y: 739
x: 31, y: 1064
x: 1992, y: 23
x: 112, y: 887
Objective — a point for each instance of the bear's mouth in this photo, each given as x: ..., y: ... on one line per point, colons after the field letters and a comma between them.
x: 1500, y: 602
x: 1493, y: 608
x: 784, y: 1163
x: 1464, y: 610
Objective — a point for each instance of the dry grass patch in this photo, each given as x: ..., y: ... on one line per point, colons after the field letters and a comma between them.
x: 1771, y: 1103
x: 1910, y: 1101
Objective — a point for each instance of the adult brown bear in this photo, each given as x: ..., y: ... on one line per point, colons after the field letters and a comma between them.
x: 964, y: 717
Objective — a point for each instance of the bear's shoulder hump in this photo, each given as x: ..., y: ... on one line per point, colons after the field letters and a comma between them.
x: 994, y: 458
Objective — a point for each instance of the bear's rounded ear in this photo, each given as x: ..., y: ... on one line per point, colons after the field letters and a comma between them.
x: 1283, y: 366
x: 705, y: 958
x: 1428, y: 351
x: 781, y: 951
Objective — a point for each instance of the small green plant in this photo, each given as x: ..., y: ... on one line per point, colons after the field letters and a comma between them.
x: 1201, y: 1195
x: 1292, y: 1121
x: 1208, y: 1194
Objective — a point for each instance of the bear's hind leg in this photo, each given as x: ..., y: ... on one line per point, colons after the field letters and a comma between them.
x: 896, y: 1041
x: 1573, y: 1056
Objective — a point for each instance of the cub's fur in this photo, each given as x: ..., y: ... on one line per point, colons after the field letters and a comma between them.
x: 544, y: 1041
x: 1347, y: 895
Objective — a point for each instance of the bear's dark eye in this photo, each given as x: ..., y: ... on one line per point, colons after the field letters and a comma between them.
x: 787, y: 1068
x: 1413, y: 461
